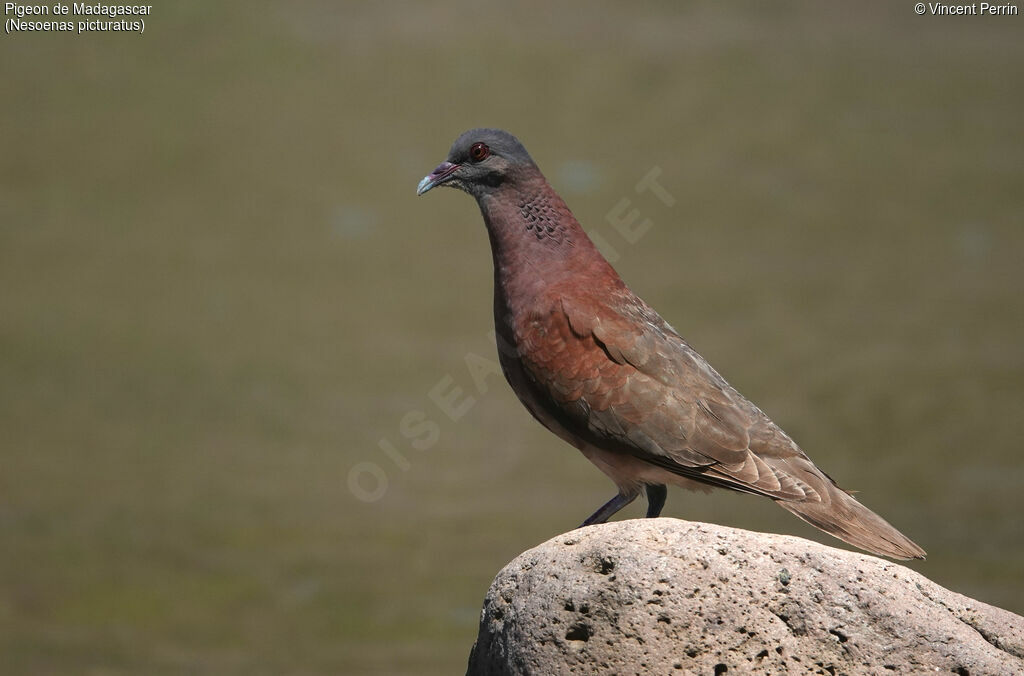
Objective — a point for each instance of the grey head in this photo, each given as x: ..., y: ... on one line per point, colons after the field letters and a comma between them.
x: 480, y: 161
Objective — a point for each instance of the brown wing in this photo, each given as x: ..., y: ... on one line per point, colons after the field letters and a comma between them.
x: 623, y: 379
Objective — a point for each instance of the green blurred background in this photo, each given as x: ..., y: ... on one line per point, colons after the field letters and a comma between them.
x: 218, y: 293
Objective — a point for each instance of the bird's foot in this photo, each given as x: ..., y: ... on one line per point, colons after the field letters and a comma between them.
x: 656, y: 494
x: 609, y: 508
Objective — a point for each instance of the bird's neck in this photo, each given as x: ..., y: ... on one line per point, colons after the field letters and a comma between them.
x: 536, y: 242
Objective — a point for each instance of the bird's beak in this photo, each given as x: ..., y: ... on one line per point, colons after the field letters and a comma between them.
x: 440, y: 175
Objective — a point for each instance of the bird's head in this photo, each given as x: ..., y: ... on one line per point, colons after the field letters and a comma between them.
x: 480, y: 161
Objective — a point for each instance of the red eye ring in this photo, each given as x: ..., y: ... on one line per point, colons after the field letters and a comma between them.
x: 479, y: 151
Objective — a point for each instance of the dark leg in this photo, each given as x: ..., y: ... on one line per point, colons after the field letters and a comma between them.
x: 655, y: 499
x: 609, y: 508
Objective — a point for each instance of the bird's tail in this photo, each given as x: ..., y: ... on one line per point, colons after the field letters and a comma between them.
x: 845, y: 518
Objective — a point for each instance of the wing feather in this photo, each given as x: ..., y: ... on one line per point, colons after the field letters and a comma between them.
x: 624, y: 379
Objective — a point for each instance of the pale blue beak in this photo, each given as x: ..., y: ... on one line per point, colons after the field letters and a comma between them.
x: 438, y: 176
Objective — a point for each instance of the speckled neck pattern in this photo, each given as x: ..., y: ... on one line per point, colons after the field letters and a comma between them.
x: 541, y: 218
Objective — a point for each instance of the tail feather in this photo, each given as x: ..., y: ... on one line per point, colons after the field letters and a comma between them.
x: 840, y: 514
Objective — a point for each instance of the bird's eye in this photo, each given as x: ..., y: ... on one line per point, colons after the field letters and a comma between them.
x: 479, y: 151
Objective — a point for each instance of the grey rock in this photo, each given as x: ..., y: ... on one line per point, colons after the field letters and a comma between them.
x: 664, y: 596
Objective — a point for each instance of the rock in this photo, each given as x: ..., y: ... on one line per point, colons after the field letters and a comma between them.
x: 664, y: 596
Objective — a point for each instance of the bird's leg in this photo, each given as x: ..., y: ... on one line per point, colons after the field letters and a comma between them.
x: 655, y: 499
x: 609, y: 508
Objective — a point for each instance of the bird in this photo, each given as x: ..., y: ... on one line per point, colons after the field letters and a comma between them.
x: 601, y: 369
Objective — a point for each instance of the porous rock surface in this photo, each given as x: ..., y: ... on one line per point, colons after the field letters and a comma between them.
x: 664, y: 596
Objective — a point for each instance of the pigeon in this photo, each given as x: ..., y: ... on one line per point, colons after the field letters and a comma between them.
x: 598, y: 367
